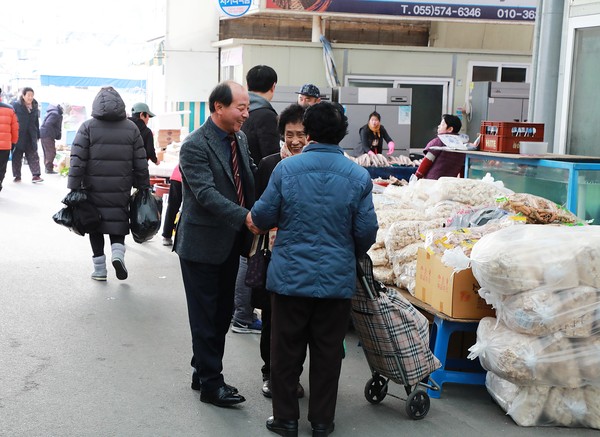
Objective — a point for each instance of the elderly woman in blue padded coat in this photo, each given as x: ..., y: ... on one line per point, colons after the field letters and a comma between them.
x: 322, y: 205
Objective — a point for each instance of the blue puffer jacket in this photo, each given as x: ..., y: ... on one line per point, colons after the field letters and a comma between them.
x: 322, y: 204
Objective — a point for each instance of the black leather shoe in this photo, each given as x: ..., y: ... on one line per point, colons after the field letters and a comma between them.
x: 322, y: 429
x: 222, y: 397
x: 266, y: 388
x: 285, y: 428
x: 197, y: 386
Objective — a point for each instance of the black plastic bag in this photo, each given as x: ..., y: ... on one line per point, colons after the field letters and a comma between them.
x: 145, y: 212
x: 80, y: 215
x: 64, y: 217
x: 75, y: 197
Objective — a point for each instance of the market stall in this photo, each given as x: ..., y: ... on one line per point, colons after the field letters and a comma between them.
x: 430, y: 232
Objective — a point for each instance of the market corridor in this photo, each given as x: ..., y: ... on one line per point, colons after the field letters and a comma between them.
x: 83, y: 358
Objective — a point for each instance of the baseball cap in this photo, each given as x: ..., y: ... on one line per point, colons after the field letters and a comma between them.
x: 141, y: 107
x: 308, y: 89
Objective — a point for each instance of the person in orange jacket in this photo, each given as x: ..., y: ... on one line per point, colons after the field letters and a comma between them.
x: 9, y: 135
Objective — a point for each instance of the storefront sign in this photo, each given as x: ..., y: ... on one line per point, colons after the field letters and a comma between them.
x: 235, y: 8
x: 500, y: 10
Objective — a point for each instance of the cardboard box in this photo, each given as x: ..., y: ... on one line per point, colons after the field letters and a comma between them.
x: 454, y: 294
x: 168, y: 136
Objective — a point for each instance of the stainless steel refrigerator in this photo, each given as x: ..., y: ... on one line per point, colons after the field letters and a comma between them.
x: 497, y: 101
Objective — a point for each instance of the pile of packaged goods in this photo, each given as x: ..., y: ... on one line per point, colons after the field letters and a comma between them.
x: 542, y: 352
x: 406, y: 214
x: 444, y: 214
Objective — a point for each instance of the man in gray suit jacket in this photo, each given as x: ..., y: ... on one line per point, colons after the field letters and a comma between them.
x: 218, y: 189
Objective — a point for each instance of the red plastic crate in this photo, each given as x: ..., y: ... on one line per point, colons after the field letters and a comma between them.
x: 505, y: 136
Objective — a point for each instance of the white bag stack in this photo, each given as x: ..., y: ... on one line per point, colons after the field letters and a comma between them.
x: 543, y: 351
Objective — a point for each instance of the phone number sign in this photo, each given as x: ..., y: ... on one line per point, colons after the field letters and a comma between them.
x: 496, y: 10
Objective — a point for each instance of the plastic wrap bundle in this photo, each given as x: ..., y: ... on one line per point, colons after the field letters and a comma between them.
x: 404, y: 265
x: 574, y: 312
x: 445, y: 209
x: 403, y: 233
x: 546, y: 406
x: 537, y: 209
x: 405, y: 275
x: 468, y: 191
x: 384, y: 274
x: 381, y: 202
x: 442, y: 239
x: 379, y: 256
x: 387, y: 217
x: 522, y: 359
x: 476, y: 217
x: 523, y: 258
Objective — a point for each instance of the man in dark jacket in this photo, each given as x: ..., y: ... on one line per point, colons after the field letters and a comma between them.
x: 218, y: 188
x: 263, y: 140
x: 141, y: 115
x: 28, y: 114
x: 51, y: 131
x: 261, y: 126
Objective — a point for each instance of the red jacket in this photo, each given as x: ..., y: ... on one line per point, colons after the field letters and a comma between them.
x: 9, y: 127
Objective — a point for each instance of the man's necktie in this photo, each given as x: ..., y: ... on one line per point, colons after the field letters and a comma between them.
x: 235, y: 167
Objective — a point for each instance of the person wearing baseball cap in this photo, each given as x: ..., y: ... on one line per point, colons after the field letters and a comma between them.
x: 308, y: 95
x: 141, y: 115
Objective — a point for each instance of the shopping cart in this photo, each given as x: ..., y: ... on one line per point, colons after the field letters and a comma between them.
x: 395, y: 339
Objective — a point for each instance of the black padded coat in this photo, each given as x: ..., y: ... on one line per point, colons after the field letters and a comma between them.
x: 108, y: 159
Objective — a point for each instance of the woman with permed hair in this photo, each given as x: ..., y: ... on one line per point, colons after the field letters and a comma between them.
x: 322, y: 204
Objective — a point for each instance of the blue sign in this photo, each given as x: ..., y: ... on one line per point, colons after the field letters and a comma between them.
x: 235, y: 8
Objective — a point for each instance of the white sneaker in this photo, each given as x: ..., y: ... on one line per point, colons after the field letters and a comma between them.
x: 167, y: 242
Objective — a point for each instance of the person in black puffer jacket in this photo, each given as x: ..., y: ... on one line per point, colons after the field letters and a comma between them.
x: 108, y: 159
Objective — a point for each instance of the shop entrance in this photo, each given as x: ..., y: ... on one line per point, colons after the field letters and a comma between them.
x: 430, y: 97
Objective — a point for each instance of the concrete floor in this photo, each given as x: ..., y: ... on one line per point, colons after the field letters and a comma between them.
x: 82, y: 358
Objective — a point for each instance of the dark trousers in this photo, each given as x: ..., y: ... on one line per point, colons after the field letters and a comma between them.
x: 33, y: 160
x: 265, y: 341
x: 209, y: 291
x: 49, y: 148
x: 172, y: 208
x: 4, y: 155
x: 295, y: 323
x: 97, y: 242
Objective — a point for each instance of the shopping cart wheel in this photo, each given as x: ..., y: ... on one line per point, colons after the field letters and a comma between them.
x: 376, y: 389
x: 417, y: 404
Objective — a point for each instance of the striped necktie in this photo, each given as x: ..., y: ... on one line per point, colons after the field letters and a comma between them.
x: 235, y: 167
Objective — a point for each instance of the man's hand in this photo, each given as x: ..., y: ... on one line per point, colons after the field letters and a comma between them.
x: 251, y: 226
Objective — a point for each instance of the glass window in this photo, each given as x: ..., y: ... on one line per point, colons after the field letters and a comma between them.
x: 584, y: 107
x: 485, y: 74
x: 513, y: 74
